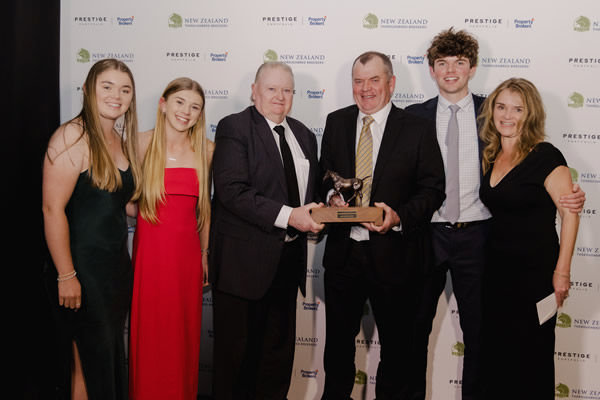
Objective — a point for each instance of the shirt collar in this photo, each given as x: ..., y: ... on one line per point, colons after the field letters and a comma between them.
x: 463, y: 103
x: 380, y: 116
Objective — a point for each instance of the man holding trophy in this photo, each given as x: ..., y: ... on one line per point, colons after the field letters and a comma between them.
x: 396, y: 157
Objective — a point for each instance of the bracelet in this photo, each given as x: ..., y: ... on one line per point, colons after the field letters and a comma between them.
x: 568, y: 276
x: 205, y: 251
x: 66, y: 277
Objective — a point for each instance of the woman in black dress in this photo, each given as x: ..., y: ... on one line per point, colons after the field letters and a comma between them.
x: 90, y: 175
x: 524, y: 179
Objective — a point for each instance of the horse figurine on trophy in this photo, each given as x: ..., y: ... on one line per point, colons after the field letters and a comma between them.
x: 340, y: 184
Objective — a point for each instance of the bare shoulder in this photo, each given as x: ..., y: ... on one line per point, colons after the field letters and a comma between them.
x: 68, y: 145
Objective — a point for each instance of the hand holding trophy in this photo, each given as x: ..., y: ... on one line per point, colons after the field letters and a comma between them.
x: 347, y: 214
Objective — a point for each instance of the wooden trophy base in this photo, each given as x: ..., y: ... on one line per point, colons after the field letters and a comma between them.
x: 348, y: 214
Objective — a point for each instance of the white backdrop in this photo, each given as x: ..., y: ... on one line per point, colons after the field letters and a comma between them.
x: 220, y: 44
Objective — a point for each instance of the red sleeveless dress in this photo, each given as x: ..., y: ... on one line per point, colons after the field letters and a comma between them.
x: 166, y: 308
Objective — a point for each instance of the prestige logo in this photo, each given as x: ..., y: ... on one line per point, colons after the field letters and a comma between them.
x: 367, y: 343
x: 458, y: 349
x: 281, y: 20
x: 92, y: 20
x: 456, y: 383
x: 574, y: 356
x: 584, y: 62
x: 485, y: 23
x: 505, y: 62
x: 523, y: 23
x: 403, y: 22
x: 581, y: 137
x: 183, y: 55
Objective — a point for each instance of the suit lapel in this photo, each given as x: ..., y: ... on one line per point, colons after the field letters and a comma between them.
x: 387, y: 149
x: 304, y: 143
x: 262, y: 130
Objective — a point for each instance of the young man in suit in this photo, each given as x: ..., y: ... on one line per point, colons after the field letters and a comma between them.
x: 399, y: 159
x: 460, y: 225
x: 265, y: 184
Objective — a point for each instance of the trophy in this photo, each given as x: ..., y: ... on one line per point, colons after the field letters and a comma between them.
x: 347, y: 214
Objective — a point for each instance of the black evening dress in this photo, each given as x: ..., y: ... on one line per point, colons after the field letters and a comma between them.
x: 521, y: 257
x: 98, y: 237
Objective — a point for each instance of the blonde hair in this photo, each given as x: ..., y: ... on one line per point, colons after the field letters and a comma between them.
x: 102, y: 170
x: 532, y: 129
x: 153, y: 185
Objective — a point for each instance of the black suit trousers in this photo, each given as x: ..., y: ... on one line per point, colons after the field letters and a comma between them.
x: 462, y: 252
x: 255, y: 339
x: 393, y: 305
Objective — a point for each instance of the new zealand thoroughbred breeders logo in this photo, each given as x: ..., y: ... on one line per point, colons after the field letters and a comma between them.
x: 83, y: 56
x: 563, y: 321
x: 574, y: 174
x: 175, y: 21
x: 458, y: 349
x: 582, y: 24
x: 561, y: 391
x: 270, y: 56
x: 370, y: 21
x: 361, y: 378
x: 576, y: 100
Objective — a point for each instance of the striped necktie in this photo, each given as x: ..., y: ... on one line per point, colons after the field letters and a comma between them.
x: 364, y: 160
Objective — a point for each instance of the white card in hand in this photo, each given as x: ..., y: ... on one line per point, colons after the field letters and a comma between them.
x: 546, y: 308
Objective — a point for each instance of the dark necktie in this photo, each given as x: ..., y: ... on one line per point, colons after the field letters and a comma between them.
x: 290, y: 174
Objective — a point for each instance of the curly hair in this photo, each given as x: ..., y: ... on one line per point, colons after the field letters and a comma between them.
x: 532, y: 129
x: 451, y: 43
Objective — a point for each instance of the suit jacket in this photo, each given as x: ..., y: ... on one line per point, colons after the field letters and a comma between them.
x: 249, y: 191
x: 428, y: 110
x: 408, y: 176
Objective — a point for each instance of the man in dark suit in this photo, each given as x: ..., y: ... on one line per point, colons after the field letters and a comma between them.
x: 404, y: 176
x: 458, y: 240
x: 265, y: 183
x: 459, y: 230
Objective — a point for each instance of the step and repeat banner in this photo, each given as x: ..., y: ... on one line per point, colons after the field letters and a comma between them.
x: 221, y: 44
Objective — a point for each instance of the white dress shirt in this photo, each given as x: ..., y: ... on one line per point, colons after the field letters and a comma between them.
x: 469, y: 175
x: 301, y: 165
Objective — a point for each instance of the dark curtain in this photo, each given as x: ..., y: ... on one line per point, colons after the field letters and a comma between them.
x: 32, y: 111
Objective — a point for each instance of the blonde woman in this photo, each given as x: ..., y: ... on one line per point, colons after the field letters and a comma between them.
x: 170, y: 248
x: 90, y: 175
x: 526, y: 261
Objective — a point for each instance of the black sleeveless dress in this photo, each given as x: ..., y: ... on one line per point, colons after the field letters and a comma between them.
x: 98, y: 235
x: 521, y: 256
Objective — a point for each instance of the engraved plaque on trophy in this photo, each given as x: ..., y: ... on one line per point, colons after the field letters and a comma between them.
x: 347, y: 214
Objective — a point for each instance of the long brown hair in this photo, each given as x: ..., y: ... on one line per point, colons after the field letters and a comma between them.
x: 153, y: 186
x: 532, y: 129
x: 102, y: 169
